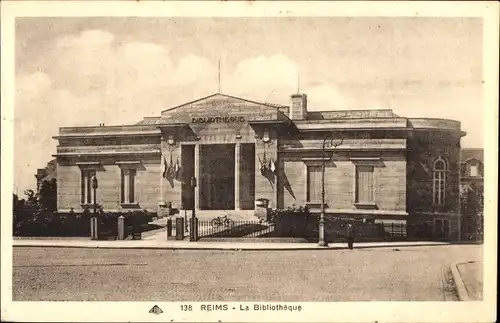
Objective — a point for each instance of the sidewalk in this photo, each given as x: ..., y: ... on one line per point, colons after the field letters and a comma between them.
x: 468, y: 277
x: 175, y: 245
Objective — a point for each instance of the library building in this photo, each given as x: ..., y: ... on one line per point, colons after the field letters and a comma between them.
x: 220, y: 154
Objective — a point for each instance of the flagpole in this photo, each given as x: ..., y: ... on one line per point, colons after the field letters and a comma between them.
x: 220, y: 81
x: 162, y: 165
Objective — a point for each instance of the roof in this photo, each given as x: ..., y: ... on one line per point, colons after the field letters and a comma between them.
x: 471, y: 153
x: 311, y: 115
x: 149, y: 121
x: 272, y: 105
x: 351, y: 114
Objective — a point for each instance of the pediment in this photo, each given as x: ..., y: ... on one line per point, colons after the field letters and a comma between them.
x: 223, y: 109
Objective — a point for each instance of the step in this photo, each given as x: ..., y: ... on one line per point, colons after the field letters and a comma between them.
x: 232, y: 214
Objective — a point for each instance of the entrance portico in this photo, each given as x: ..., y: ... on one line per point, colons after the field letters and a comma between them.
x: 225, y: 175
x: 219, y: 141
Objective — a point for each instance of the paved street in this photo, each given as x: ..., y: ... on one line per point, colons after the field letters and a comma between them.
x: 381, y: 274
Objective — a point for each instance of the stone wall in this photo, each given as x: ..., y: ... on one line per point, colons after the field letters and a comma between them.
x: 266, y: 185
x: 147, y: 188
x: 68, y: 187
x: 424, y: 149
x: 69, y: 176
x: 389, y: 181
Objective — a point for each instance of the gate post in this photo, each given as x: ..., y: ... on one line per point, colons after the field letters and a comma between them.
x: 93, y: 228
x: 169, y: 227
x: 193, y: 233
x: 179, y: 228
x: 121, y: 227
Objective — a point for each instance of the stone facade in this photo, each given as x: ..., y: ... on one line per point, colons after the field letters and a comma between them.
x: 426, y: 148
x: 167, y: 152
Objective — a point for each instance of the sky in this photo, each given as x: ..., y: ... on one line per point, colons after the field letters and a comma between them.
x: 86, y: 71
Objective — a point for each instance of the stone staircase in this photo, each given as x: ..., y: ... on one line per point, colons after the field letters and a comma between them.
x: 247, y: 215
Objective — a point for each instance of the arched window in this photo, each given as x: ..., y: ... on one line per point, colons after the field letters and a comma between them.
x: 439, y: 181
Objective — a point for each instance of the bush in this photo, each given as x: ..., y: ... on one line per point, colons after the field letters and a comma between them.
x: 298, y: 222
x: 43, y: 223
x: 295, y: 222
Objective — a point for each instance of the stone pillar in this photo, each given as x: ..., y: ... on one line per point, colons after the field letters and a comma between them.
x: 121, y: 227
x: 237, y: 168
x: 126, y: 181
x: 197, y: 176
x: 85, y: 188
x: 94, y: 228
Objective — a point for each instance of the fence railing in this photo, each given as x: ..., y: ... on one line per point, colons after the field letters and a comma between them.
x: 395, y: 229
x: 335, y: 230
x: 234, y: 229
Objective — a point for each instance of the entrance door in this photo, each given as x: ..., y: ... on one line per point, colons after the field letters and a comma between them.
x: 217, y: 171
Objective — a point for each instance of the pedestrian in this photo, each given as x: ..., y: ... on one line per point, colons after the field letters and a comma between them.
x: 350, y: 235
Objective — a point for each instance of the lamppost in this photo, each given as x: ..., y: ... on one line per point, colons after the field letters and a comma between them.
x: 94, y: 233
x: 193, y: 234
x: 322, y: 242
x: 193, y: 186
x: 94, y: 187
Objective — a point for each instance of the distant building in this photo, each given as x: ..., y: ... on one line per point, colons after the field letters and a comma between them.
x: 389, y: 168
x: 46, y: 174
x: 472, y: 168
x: 472, y: 193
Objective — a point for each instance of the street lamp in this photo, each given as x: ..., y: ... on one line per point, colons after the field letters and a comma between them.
x: 171, y: 141
x: 94, y: 187
x: 193, y: 185
x: 193, y: 231
x: 265, y: 137
x: 322, y: 242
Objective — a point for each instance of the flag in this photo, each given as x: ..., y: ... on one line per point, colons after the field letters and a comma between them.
x: 164, y: 167
x: 272, y: 167
x: 177, y: 167
x: 170, y: 169
x: 262, y: 167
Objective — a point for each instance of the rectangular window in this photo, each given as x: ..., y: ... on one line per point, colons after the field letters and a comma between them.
x: 128, y: 186
x: 313, y: 183
x: 473, y: 170
x: 86, y: 186
x: 364, y: 184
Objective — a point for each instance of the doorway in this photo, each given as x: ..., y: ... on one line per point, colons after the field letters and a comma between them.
x: 217, y: 172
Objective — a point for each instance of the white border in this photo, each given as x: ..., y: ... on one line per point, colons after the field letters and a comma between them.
x: 345, y: 311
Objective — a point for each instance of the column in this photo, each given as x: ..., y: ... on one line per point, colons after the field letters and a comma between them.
x: 161, y: 200
x: 197, y: 176
x: 85, y: 187
x: 237, y: 167
x: 126, y: 186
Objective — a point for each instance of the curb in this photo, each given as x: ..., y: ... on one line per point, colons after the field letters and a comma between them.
x: 183, y: 248
x: 459, y: 283
x: 228, y: 247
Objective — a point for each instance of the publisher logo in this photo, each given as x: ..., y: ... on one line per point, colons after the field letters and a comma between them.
x: 156, y: 310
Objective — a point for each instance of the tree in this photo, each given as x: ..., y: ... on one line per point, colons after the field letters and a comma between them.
x: 472, y: 212
x: 48, y: 195
x: 15, y: 203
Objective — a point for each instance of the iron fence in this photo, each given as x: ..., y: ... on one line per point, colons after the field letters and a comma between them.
x: 234, y: 229
x: 395, y: 229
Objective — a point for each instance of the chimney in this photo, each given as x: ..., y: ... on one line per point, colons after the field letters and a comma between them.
x: 298, y: 107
